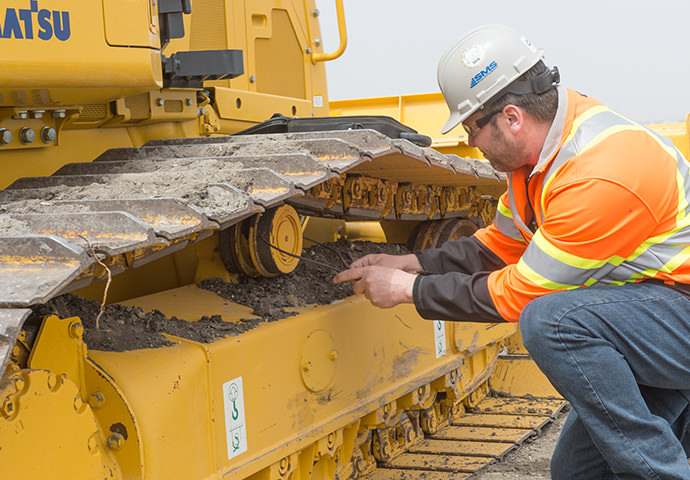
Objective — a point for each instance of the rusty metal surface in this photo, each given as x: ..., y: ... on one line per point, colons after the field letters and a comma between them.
x: 144, y: 202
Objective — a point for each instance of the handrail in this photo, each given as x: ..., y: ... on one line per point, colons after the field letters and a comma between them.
x: 342, y: 32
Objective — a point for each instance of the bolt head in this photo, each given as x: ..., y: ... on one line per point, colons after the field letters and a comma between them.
x: 315, y: 12
x: 27, y: 135
x: 48, y: 134
x: 8, y: 407
x: 96, y: 400
x: 284, y: 465
x: 76, y: 329
x: 159, y: 102
x: 5, y: 136
x: 188, y: 102
x: 52, y: 381
x: 252, y: 79
x: 307, y: 50
x: 115, y: 441
x: 19, y: 384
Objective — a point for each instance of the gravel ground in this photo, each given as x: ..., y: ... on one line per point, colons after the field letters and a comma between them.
x: 529, y: 462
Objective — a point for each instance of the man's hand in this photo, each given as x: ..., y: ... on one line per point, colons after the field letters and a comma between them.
x: 408, y: 263
x: 384, y: 286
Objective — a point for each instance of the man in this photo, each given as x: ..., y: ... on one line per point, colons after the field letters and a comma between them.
x: 594, y: 200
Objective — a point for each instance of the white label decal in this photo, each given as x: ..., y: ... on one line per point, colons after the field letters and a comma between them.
x: 439, y: 337
x: 235, y: 426
x: 472, y: 56
x: 317, y: 101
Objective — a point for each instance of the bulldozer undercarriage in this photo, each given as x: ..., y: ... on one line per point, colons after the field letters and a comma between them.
x: 309, y: 396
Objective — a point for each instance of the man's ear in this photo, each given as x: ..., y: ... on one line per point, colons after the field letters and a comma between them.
x: 515, y: 117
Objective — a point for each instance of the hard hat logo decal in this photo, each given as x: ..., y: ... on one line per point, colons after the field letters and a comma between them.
x: 472, y: 56
x: 483, y: 74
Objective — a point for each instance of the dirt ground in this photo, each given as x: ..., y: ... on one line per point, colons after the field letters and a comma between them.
x: 531, y: 460
x: 123, y: 328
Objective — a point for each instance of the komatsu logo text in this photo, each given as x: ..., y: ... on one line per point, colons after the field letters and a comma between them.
x: 483, y: 74
x: 30, y: 23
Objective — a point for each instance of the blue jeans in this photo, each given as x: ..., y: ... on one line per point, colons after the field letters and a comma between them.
x: 621, y: 356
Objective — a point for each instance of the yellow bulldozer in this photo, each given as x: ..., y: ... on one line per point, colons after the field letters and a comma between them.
x: 150, y: 148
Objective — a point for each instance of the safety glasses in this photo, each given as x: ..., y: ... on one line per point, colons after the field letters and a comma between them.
x: 473, y: 130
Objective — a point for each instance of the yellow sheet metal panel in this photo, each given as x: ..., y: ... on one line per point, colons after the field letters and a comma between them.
x: 42, y: 408
x: 57, y: 48
x: 519, y: 376
x: 117, y: 419
x: 470, y: 337
x: 302, y: 378
x: 131, y: 23
x: 169, y: 391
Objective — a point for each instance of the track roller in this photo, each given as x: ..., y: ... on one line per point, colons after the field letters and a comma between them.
x: 248, y: 247
x: 434, y: 233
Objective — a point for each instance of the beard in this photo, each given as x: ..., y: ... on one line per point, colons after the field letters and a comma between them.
x: 504, y: 154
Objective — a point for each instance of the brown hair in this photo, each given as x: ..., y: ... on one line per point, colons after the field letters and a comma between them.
x: 540, y: 106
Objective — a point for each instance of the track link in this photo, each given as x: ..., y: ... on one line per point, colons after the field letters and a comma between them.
x: 131, y: 206
x: 482, y: 435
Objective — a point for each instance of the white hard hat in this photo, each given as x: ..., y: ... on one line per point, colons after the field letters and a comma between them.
x: 482, y: 64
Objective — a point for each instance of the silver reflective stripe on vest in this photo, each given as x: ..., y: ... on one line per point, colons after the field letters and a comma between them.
x: 553, y: 269
x: 507, y: 227
x: 654, y: 258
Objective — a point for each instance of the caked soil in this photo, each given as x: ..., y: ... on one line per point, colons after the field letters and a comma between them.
x: 121, y: 328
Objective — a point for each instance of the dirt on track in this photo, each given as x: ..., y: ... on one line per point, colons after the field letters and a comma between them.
x: 529, y: 462
x: 122, y: 328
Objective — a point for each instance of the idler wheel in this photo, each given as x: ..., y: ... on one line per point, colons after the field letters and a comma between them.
x: 281, y: 228
x: 234, y: 249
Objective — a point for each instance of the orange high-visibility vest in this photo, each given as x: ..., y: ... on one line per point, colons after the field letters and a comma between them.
x: 607, y: 203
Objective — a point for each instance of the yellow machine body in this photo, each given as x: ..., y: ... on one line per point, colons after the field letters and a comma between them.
x: 102, y: 86
x: 335, y: 391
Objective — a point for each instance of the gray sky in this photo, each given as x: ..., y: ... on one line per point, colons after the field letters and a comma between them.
x: 632, y: 55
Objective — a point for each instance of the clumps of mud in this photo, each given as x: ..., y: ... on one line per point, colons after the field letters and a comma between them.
x: 309, y: 283
x: 123, y: 328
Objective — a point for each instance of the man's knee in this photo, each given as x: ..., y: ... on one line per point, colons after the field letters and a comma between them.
x: 534, y: 322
